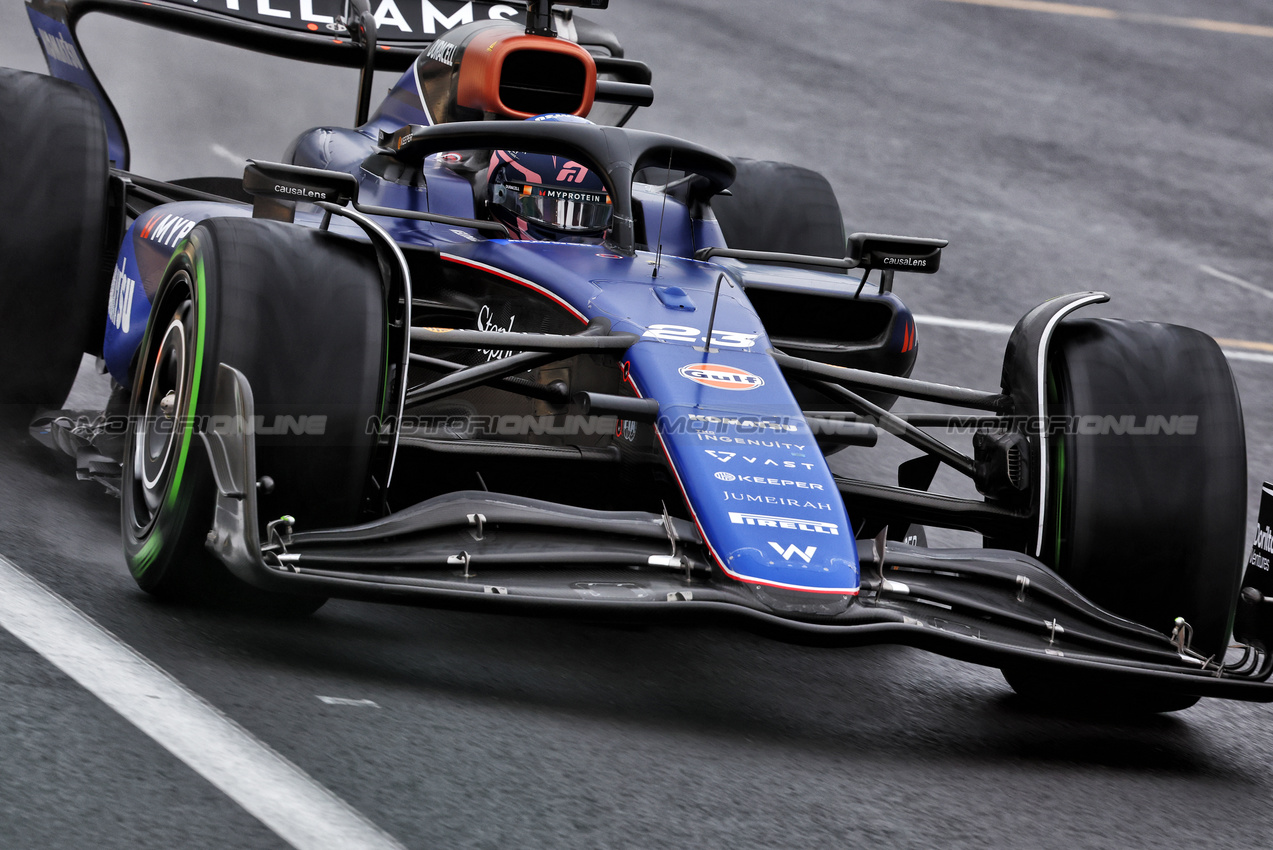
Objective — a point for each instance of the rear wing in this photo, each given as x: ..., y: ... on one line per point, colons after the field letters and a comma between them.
x: 309, y: 30
x: 329, y: 32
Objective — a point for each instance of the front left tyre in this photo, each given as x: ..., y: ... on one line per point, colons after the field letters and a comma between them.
x: 301, y: 314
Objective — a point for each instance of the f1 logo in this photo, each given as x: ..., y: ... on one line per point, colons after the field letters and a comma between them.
x: 793, y: 549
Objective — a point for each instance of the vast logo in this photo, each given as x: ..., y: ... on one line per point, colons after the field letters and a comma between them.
x: 805, y: 554
x: 721, y: 377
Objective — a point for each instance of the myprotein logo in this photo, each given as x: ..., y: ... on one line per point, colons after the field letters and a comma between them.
x: 167, y: 230
x: 721, y: 377
x: 786, y: 523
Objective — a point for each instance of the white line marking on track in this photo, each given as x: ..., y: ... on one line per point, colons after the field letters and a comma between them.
x: 272, y: 789
x: 1228, y: 346
x: 1082, y: 11
x: 1247, y: 355
x: 360, y: 703
x: 964, y: 324
x: 1236, y: 281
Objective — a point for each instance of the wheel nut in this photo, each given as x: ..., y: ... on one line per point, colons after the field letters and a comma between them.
x: 168, y: 404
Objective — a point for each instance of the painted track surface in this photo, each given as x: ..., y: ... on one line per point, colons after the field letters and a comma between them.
x: 1057, y: 152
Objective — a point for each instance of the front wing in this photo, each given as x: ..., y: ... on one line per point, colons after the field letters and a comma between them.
x: 481, y: 551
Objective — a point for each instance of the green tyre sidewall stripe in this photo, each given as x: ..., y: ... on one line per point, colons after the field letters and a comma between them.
x: 177, y: 499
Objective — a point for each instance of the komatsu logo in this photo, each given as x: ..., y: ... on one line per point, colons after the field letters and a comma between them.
x: 58, y: 48
x: 119, y: 306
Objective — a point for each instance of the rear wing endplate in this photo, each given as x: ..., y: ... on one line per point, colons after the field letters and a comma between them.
x: 320, y: 31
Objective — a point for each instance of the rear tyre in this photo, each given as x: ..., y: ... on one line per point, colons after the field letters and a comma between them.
x: 776, y: 206
x: 1147, y: 498
x: 53, y: 203
x: 301, y: 314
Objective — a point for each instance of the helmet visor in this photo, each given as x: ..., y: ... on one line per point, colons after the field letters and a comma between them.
x: 571, y: 210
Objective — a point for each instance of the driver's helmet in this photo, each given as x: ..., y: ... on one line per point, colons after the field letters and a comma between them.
x: 546, y: 197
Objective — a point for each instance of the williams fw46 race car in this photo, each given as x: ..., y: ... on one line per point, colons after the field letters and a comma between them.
x: 458, y: 358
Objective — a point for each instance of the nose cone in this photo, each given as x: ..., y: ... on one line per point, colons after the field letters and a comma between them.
x: 805, y: 569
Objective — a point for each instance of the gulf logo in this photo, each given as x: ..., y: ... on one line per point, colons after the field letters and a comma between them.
x: 721, y: 377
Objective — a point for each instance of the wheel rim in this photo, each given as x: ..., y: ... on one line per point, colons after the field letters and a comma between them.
x: 163, y: 404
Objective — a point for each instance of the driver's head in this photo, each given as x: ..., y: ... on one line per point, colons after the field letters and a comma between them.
x: 545, y: 197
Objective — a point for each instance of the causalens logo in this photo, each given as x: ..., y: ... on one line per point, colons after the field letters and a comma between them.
x: 721, y: 377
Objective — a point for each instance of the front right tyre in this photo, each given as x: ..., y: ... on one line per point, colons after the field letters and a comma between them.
x: 53, y: 184
x: 1146, y: 505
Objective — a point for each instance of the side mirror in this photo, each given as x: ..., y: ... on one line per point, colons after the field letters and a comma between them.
x: 276, y: 187
x: 896, y: 253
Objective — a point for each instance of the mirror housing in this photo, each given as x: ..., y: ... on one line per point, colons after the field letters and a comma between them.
x: 896, y: 253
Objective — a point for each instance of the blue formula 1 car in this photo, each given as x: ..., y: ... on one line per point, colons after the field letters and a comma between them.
x: 459, y: 358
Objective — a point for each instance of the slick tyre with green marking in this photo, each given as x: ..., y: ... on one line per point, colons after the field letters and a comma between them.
x: 301, y: 314
x: 52, y: 220
x: 1146, y: 503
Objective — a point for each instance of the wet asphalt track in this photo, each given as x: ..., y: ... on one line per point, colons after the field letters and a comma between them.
x: 1056, y: 152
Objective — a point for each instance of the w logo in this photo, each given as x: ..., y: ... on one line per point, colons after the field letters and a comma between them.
x: 572, y: 172
x: 806, y: 554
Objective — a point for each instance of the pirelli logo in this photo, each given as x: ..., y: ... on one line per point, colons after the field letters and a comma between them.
x: 808, y: 525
